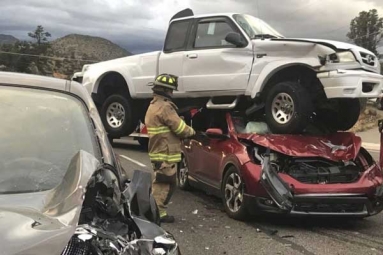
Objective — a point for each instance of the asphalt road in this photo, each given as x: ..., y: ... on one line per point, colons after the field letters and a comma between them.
x: 202, y: 227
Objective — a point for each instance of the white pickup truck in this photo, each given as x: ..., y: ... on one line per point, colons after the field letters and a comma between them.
x: 236, y: 61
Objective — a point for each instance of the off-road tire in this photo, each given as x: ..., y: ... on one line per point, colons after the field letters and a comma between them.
x: 303, y: 108
x: 130, y: 121
x: 342, y: 115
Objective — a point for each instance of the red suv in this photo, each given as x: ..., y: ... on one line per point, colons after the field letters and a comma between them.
x: 252, y: 170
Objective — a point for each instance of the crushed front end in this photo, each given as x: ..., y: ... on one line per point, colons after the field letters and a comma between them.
x: 107, y: 225
x: 327, y: 176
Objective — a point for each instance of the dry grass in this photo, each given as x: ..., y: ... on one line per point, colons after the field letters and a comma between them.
x: 367, y: 120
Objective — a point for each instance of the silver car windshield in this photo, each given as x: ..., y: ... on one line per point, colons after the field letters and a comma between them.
x: 40, y: 132
x: 256, y: 28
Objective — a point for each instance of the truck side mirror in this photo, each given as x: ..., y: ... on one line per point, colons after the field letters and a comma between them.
x: 236, y: 39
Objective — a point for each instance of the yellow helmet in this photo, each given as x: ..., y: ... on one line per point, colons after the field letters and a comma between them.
x: 166, y: 80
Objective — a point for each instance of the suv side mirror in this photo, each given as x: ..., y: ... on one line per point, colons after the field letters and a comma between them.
x: 216, y: 133
x: 236, y: 39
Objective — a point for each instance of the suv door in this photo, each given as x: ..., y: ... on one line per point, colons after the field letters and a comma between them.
x: 213, y: 64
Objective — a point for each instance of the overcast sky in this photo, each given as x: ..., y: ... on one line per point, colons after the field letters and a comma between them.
x: 140, y: 25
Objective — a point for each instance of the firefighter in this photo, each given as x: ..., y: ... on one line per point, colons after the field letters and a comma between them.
x: 165, y: 130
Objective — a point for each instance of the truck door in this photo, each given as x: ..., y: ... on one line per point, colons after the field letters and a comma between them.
x: 213, y: 64
x: 172, y: 59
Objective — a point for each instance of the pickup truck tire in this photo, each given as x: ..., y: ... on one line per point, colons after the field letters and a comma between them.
x: 117, y: 116
x: 288, y: 108
x: 343, y: 115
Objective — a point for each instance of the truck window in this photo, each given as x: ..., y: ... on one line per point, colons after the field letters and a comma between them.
x: 212, y: 34
x: 176, y: 37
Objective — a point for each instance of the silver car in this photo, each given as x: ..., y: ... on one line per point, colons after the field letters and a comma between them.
x: 62, y: 189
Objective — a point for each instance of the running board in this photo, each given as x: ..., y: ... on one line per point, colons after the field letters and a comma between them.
x: 211, y: 105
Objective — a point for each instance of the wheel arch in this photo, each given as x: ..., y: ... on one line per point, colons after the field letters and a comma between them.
x: 272, y: 71
x: 111, y: 82
x: 226, y: 167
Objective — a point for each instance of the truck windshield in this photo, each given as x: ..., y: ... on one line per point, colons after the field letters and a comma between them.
x: 40, y: 132
x: 256, y: 28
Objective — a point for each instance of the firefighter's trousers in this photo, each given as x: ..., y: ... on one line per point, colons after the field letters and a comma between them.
x: 164, y: 184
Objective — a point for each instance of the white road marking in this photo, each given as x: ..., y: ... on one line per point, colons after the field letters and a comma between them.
x: 371, y: 146
x: 132, y: 160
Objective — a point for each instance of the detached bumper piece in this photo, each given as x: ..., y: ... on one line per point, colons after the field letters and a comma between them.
x: 336, y: 205
x: 351, y: 84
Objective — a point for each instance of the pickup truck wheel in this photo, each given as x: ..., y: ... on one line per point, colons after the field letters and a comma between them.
x: 288, y: 108
x: 117, y: 116
x: 342, y: 116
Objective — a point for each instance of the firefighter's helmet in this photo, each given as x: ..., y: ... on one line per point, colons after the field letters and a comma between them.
x: 166, y: 80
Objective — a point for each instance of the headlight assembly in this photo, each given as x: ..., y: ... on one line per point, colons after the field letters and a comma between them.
x: 341, y: 57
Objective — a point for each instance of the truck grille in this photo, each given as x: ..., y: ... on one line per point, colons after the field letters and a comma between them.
x: 368, y: 59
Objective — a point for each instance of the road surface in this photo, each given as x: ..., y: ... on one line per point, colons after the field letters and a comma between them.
x: 202, y: 227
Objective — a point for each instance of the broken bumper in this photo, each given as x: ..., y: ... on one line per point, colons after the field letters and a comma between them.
x: 323, y: 205
x: 351, y: 84
x: 360, y: 199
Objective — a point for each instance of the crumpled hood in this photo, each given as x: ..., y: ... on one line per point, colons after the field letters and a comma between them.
x: 336, y: 147
x: 37, y: 223
x: 336, y: 44
x: 31, y: 232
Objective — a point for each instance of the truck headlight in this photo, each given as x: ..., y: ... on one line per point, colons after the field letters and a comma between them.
x: 342, y: 57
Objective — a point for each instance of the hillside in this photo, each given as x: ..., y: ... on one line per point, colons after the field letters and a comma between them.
x: 87, y: 47
x: 61, y: 57
x: 7, y: 39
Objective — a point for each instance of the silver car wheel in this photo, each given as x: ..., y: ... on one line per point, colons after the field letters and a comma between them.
x: 234, y: 192
x: 282, y: 108
x: 184, y: 172
x: 115, y: 115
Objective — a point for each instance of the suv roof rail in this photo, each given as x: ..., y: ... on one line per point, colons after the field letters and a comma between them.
x: 182, y: 14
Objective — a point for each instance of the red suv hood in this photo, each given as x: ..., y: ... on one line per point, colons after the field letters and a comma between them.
x: 335, y: 147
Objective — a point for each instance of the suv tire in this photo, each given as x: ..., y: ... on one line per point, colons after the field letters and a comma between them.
x: 288, y: 108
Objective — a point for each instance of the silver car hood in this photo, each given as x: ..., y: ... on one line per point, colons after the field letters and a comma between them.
x: 43, y: 222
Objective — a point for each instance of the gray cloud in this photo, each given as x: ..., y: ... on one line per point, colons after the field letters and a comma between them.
x: 140, y: 26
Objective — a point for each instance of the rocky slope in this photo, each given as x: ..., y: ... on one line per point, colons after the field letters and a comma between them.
x: 7, y: 39
x: 61, y: 57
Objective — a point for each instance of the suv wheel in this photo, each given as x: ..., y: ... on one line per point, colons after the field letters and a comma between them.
x: 233, y: 195
x: 117, y: 116
x: 183, y: 175
x: 288, y: 108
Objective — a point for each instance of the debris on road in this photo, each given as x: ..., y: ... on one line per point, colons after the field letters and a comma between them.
x: 227, y: 226
x: 258, y: 230
x: 195, y: 212
x: 288, y: 236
